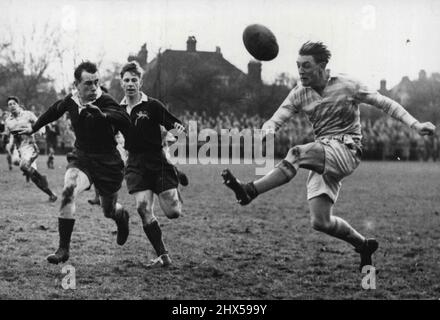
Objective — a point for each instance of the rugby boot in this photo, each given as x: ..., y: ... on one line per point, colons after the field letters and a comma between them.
x: 163, y: 260
x: 53, y: 198
x: 244, y: 192
x: 366, y: 251
x: 122, y: 222
x: 61, y: 255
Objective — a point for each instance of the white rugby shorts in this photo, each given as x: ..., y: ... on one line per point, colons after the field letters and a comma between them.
x: 341, y: 159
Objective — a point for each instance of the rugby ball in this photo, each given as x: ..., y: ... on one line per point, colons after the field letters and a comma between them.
x: 260, y: 42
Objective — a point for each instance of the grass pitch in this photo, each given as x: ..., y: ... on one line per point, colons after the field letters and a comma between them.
x: 221, y: 250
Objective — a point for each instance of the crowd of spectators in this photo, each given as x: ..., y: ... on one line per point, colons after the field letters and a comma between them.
x: 383, y: 139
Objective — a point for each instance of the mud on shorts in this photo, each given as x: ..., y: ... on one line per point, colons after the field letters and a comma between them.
x: 342, y: 157
x: 104, y: 170
x: 145, y: 171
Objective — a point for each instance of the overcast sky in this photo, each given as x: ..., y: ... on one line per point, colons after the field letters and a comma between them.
x: 370, y: 40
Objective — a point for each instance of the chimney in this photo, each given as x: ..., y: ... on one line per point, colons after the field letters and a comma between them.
x: 422, y: 75
x: 142, y: 55
x: 218, y: 50
x: 383, y: 85
x: 254, y: 71
x: 191, y: 44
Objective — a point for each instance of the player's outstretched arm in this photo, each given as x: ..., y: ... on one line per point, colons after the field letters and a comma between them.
x: 424, y: 128
x: 396, y: 111
x: 52, y: 114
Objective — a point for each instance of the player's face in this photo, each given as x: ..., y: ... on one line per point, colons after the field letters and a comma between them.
x: 310, y: 72
x: 131, y: 84
x: 88, y: 86
x: 13, y: 106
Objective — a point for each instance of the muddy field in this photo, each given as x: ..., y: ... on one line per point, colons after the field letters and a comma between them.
x: 220, y: 250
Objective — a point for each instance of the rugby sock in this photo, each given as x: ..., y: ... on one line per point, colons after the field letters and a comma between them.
x: 154, y: 234
x: 341, y: 229
x: 65, y: 228
x: 40, y: 181
x: 281, y: 174
x: 9, y: 159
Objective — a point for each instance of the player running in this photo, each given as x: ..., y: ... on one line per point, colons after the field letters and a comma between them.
x: 148, y: 171
x: 24, y: 146
x: 95, y: 119
x: 331, y: 103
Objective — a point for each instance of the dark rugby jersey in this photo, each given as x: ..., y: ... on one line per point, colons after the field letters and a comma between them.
x: 94, y: 134
x: 146, y: 118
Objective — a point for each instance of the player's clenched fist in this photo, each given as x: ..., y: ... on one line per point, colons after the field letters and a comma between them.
x: 425, y: 128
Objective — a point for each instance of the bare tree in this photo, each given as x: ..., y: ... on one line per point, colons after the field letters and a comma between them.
x: 26, y: 57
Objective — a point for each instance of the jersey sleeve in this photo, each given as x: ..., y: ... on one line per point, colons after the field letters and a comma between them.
x: 287, y: 108
x: 164, y: 117
x: 387, y: 105
x: 53, y: 113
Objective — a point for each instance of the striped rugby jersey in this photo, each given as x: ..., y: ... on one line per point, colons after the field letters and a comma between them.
x: 16, y: 123
x: 336, y: 111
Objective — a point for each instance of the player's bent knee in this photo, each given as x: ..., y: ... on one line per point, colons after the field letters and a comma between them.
x: 293, y: 155
x: 173, y: 213
x: 144, y: 209
x: 287, y: 168
x: 322, y: 225
x: 312, y: 157
x: 173, y: 208
x: 25, y: 167
x: 170, y: 203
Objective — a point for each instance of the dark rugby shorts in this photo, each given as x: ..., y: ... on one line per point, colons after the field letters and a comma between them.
x: 145, y: 171
x: 104, y: 170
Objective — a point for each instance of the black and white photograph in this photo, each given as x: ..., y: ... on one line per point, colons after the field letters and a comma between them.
x: 246, y: 151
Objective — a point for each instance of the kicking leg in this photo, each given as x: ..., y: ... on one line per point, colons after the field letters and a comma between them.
x: 170, y: 203
x: 151, y: 227
x: 309, y: 156
x: 322, y: 219
x: 75, y: 181
x: 114, y: 210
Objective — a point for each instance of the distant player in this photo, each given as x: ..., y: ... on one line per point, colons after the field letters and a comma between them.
x: 52, y: 131
x: 148, y: 171
x: 95, y: 118
x: 24, y: 145
x: 331, y: 103
x: 51, y: 159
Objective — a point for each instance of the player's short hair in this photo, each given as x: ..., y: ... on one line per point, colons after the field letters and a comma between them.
x: 87, y: 66
x: 134, y: 67
x: 15, y: 98
x: 317, y: 50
